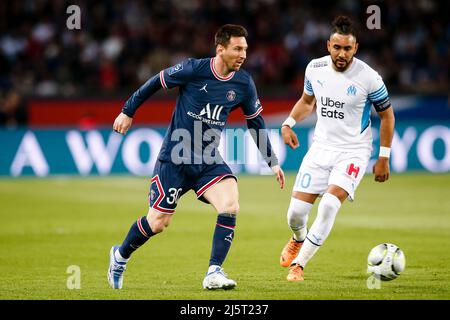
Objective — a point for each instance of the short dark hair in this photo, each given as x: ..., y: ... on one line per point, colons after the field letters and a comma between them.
x: 343, y: 25
x: 227, y: 31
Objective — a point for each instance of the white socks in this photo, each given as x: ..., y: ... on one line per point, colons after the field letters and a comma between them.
x: 297, y: 217
x: 326, y: 214
x: 213, y: 268
x: 119, y: 257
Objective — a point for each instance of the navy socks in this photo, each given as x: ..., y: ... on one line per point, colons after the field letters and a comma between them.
x: 223, y: 236
x: 139, y: 233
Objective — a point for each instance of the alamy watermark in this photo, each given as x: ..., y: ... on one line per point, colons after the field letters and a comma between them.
x: 374, y: 20
x: 73, y: 22
x: 373, y: 281
x: 204, y: 146
x: 74, y: 279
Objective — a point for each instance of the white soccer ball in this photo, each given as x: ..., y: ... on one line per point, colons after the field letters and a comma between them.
x: 386, y: 261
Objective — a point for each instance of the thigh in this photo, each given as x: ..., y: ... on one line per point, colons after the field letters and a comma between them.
x: 348, y: 172
x: 338, y: 192
x: 224, y: 196
x: 209, y: 177
x: 306, y: 197
x: 313, y: 175
x: 168, y: 184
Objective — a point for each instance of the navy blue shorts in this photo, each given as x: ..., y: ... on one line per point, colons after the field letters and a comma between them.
x: 171, y: 181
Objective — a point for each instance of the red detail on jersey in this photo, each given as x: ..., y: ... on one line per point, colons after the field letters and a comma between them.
x: 162, y: 194
x: 255, y: 114
x: 351, y: 169
x: 161, y: 79
x: 211, y: 183
x: 217, y: 75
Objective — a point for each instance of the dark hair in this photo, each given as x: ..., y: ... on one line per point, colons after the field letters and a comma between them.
x: 343, y: 25
x: 227, y: 31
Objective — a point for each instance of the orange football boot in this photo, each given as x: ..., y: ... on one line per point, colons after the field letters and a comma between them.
x: 295, y: 273
x: 290, y: 251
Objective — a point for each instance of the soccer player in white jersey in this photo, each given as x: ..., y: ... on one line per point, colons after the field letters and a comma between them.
x: 343, y: 88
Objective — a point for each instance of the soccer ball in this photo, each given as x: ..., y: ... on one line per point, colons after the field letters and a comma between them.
x: 386, y: 261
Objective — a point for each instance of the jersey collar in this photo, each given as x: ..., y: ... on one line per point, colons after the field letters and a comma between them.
x: 217, y: 75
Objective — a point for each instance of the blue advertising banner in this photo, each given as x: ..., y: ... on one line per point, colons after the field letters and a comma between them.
x: 43, y: 152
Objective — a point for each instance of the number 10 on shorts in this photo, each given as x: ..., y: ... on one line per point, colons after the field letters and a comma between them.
x: 303, y: 180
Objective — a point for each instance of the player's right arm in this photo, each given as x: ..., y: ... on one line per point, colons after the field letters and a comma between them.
x: 122, y: 123
x: 125, y: 118
x: 177, y: 75
x: 302, y: 109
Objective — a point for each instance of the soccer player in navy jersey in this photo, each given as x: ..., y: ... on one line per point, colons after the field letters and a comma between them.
x: 209, y: 89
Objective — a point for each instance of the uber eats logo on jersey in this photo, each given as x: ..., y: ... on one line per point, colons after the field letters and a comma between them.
x: 333, y: 110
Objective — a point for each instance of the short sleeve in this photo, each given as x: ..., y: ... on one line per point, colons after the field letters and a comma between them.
x: 251, y: 105
x: 177, y: 75
x: 307, y: 88
x: 378, y: 94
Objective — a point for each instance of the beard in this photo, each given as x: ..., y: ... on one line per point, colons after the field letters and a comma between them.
x: 342, y: 64
x: 235, y: 66
x: 232, y: 64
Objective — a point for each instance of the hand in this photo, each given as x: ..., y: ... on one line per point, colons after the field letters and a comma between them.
x: 381, y: 169
x: 122, y: 123
x: 289, y: 137
x: 280, y: 175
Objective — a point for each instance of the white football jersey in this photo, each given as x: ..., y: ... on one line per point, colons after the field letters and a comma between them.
x: 344, y: 101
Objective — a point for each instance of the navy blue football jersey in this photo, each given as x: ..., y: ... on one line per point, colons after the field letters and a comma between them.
x: 203, y: 105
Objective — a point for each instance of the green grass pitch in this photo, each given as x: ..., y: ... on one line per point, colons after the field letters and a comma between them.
x: 48, y: 225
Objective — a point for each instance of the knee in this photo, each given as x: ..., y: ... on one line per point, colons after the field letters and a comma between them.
x: 158, y: 225
x: 298, y: 211
x: 229, y: 206
x: 328, y: 206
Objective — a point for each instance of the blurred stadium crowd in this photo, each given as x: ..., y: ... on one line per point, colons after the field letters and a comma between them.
x: 122, y: 43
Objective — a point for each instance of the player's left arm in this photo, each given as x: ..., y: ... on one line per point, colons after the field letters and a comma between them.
x: 381, y: 167
x: 379, y: 97
x: 259, y: 134
x: 252, y: 109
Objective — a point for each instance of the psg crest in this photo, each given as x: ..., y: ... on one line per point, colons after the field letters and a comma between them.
x: 152, y: 195
x: 231, y: 95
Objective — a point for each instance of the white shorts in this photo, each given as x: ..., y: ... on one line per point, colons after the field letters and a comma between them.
x: 322, y: 167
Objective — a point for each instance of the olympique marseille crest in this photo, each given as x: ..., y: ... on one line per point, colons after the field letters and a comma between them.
x: 231, y: 95
x: 351, y: 90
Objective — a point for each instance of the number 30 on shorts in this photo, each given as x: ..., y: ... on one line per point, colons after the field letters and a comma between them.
x: 174, y: 195
x: 303, y: 180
